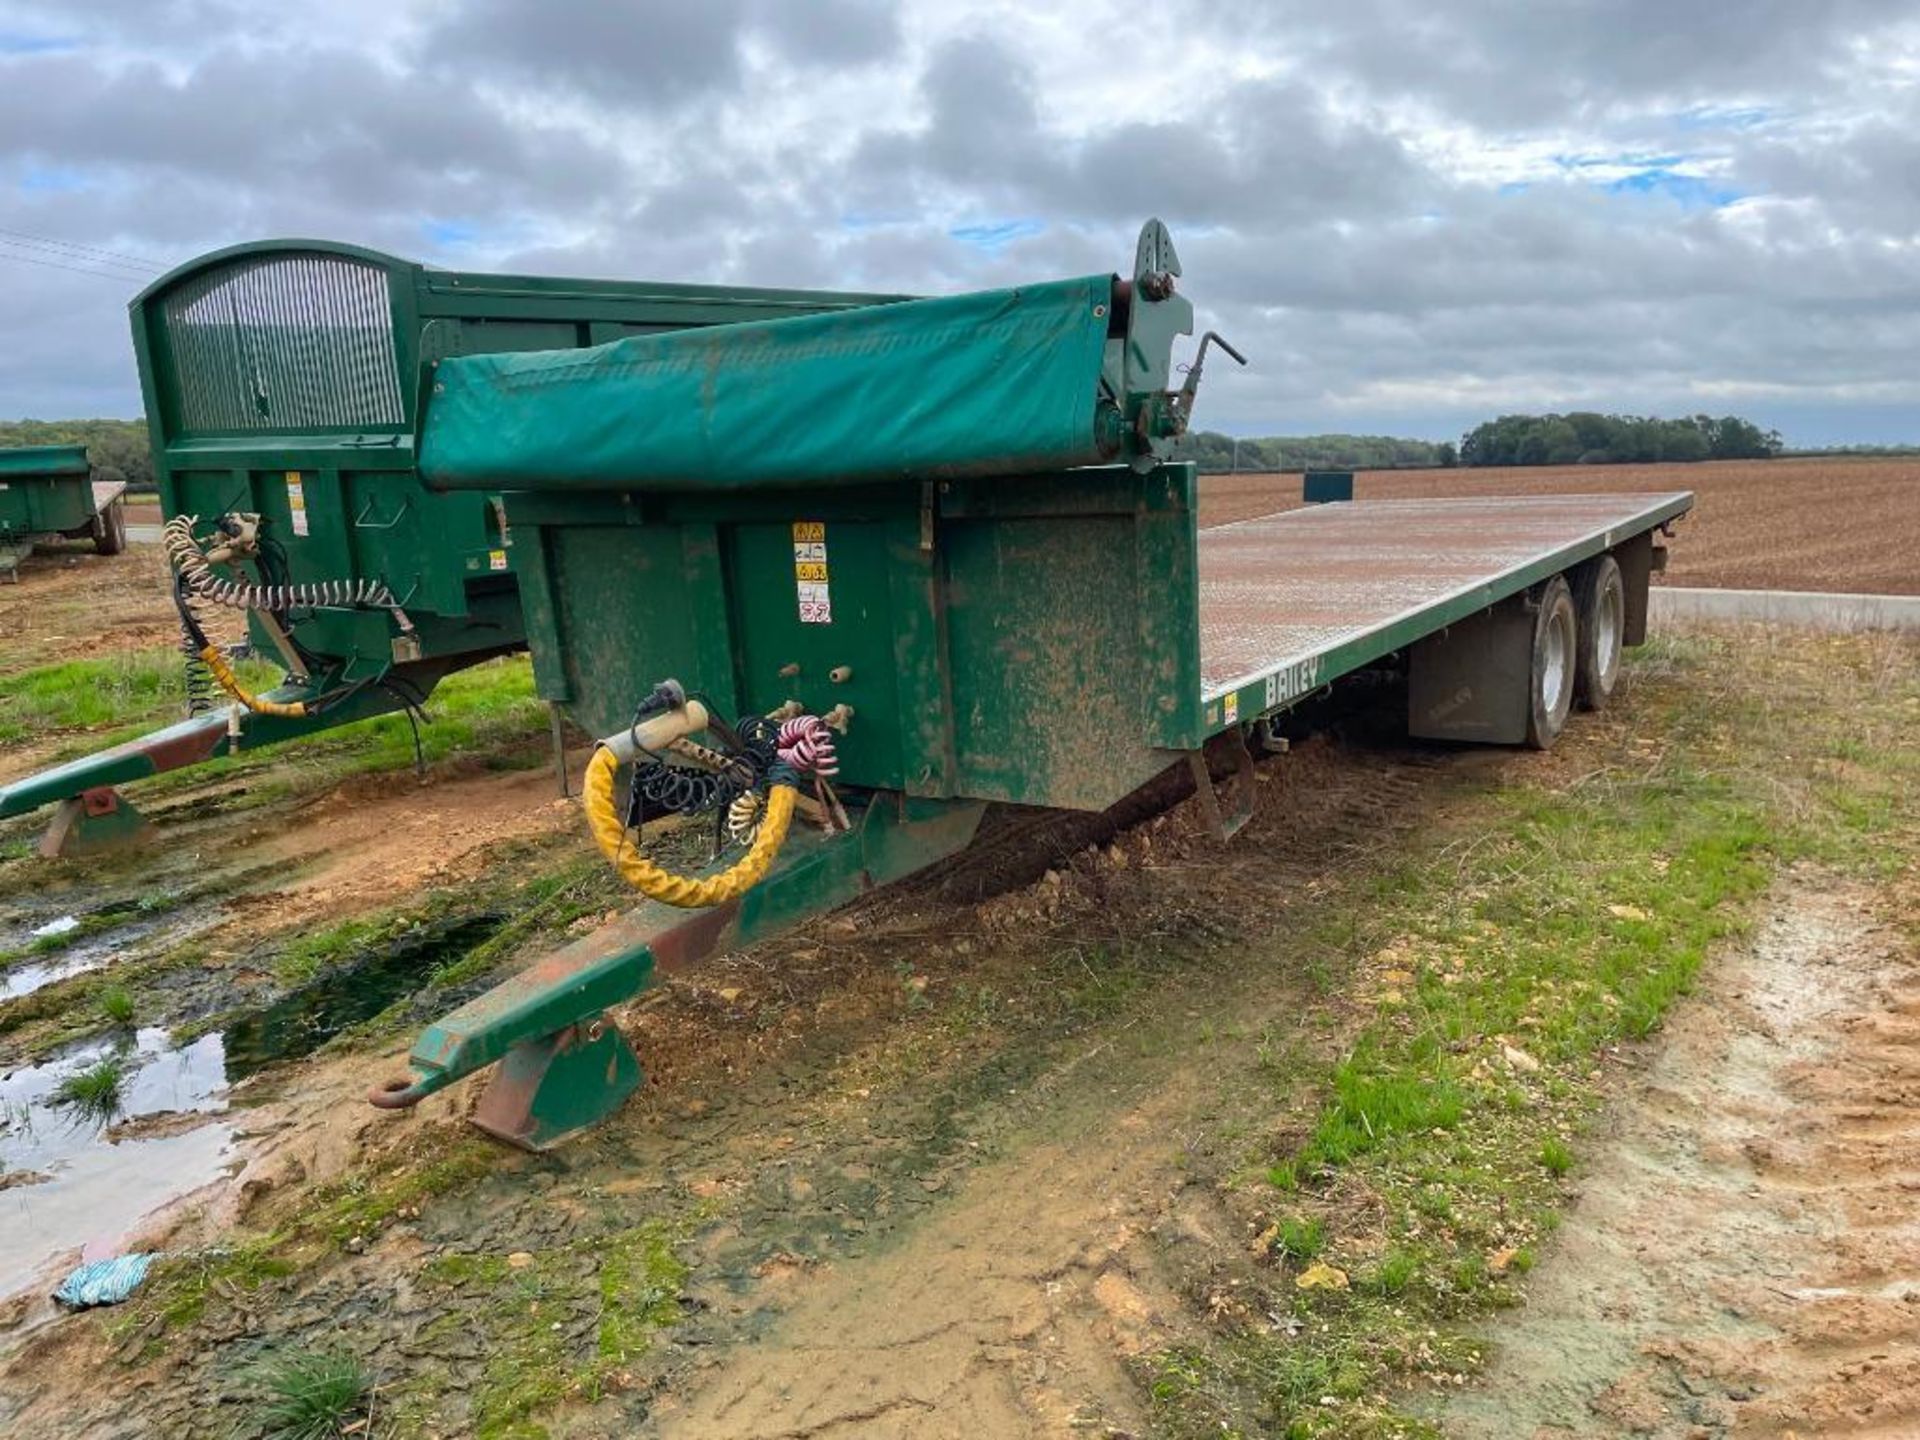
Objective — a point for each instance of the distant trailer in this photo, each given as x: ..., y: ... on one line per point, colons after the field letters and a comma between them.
x: 47, y: 492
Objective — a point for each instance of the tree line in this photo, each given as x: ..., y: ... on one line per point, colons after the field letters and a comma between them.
x: 117, y: 448
x: 1587, y: 438
x: 1215, y: 453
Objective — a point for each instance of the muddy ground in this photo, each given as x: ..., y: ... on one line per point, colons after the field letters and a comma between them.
x: 1745, y: 1258
x: 998, y: 1155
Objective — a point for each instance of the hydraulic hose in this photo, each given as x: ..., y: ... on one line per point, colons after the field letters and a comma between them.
x: 685, y: 891
x: 198, y: 576
x: 224, y: 677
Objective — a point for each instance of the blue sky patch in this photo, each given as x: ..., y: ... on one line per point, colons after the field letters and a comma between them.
x: 1712, y: 117
x: 451, y: 234
x: 52, y: 180
x: 996, y: 236
x: 1692, y: 192
x: 12, y: 42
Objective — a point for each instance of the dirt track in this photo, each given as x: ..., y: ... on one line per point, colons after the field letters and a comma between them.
x: 1745, y: 1258
x: 1845, y: 525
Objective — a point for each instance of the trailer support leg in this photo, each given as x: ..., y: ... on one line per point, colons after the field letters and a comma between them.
x: 93, y: 820
x: 556, y: 724
x: 1225, y: 824
x: 548, y: 1088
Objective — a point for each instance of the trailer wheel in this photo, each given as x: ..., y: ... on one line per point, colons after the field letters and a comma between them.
x: 1601, y: 599
x: 110, y: 529
x: 1556, y: 646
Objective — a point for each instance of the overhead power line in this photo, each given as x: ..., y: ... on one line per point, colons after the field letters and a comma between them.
x: 85, y: 252
x: 120, y: 275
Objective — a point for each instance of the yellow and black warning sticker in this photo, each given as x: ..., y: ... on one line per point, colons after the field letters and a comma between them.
x: 296, y: 502
x: 810, y: 575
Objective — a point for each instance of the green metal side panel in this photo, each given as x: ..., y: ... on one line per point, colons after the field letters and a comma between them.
x: 44, y: 489
x: 986, y: 383
x: 1072, y: 627
x: 44, y: 504
x: 621, y: 610
x: 1028, y: 638
x: 793, y: 647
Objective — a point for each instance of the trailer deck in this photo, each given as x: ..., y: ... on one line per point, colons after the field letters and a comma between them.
x: 1305, y: 596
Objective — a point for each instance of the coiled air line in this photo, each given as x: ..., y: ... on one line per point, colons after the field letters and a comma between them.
x: 195, y: 580
x: 667, y: 717
x: 197, y: 575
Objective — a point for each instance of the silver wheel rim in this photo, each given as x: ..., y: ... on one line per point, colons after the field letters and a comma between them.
x: 1608, y: 626
x: 1557, y: 664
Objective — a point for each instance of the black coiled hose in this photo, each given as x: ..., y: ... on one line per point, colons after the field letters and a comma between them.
x: 657, y: 787
x: 198, y: 679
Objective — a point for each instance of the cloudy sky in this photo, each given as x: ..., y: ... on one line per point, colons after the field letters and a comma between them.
x: 1411, y: 214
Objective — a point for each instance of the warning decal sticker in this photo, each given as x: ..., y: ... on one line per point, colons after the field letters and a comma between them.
x: 297, y: 502
x: 810, y: 577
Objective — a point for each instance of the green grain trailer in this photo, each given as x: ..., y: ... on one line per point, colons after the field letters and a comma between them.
x: 283, y: 385
x: 886, y: 568
x: 48, y: 492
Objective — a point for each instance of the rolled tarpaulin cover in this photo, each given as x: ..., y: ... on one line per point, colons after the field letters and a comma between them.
x: 998, y: 382
x: 44, y: 460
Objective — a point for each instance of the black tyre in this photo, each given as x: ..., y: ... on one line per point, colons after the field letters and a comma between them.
x: 1600, y: 598
x: 110, y: 529
x: 1556, y: 640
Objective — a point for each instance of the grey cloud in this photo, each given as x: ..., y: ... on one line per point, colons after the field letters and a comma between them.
x: 1522, y: 63
x: 1374, y: 285
x: 1260, y: 152
x: 831, y: 32
x: 650, y: 55
x: 641, y: 54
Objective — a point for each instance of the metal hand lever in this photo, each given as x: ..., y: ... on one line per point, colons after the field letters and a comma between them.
x: 1188, y: 390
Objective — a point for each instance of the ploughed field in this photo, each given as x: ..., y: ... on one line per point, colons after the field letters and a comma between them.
x: 1815, y: 524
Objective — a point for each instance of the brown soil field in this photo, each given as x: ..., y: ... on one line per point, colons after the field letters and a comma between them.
x: 1819, y: 524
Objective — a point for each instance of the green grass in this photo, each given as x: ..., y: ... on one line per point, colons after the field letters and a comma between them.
x: 115, y: 698
x: 90, y: 694
x: 1559, y: 920
x: 633, y: 1287
x: 94, y: 1093
x: 128, y: 691
x: 309, y: 1395
x: 116, y: 1004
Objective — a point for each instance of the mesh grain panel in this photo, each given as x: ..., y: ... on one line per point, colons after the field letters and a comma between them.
x: 290, y: 342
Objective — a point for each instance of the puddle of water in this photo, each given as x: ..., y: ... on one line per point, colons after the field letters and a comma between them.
x: 98, y: 1189
x: 95, y: 951
x: 300, y: 1022
x: 25, y: 979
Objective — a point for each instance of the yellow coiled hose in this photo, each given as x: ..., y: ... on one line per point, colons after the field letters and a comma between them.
x: 224, y: 677
x: 610, y: 834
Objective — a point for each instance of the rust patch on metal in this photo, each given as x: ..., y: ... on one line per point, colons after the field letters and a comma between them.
x: 695, y: 939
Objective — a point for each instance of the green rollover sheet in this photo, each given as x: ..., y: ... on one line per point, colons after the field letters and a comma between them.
x: 997, y: 382
x: 44, y: 460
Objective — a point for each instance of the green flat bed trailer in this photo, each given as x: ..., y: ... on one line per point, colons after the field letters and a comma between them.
x: 48, y: 492
x: 283, y: 383
x: 950, y: 526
